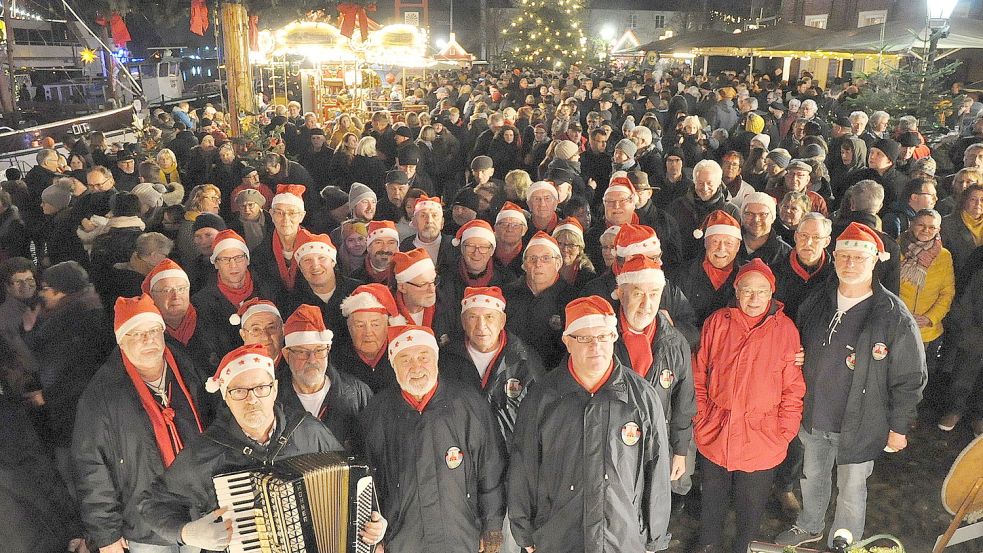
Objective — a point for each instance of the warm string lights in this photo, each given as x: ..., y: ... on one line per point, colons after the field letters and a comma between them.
x: 548, y: 33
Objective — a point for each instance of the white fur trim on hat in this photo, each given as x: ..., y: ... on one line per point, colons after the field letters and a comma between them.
x: 136, y: 320
x: 544, y: 242
x: 588, y: 321
x: 646, y: 276
x: 416, y: 269
x: 570, y: 227
x: 308, y: 337
x: 235, y: 319
x: 729, y: 230
x: 361, y: 301
x: 542, y: 185
x: 618, y: 188
x: 511, y: 214
x: 237, y: 366
x: 287, y: 198
x: 482, y: 300
x: 382, y: 233
x: 862, y: 246
x: 475, y: 232
x: 612, y: 230
x: 169, y: 273
x: 429, y: 203
x: 410, y: 338
x: 315, y: 246
x: 226, y: 244
x: 645, y: 247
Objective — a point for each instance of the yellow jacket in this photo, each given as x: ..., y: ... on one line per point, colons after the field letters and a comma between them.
x: 935, y: 298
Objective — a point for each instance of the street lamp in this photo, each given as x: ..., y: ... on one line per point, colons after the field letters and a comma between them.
x: 939, y: 12
x: 607, y: 35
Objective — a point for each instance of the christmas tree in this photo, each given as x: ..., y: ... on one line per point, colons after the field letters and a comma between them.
x: 548, y: 33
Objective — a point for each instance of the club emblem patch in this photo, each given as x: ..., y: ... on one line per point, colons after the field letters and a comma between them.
x: 513, y: 388
x: 666, y: 378
x: 630, y: 433
x: 851, y: 361
x: 454, y: 457
x: 879, y: 351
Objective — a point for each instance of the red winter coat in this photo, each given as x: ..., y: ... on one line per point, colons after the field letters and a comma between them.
x: 748, y: 389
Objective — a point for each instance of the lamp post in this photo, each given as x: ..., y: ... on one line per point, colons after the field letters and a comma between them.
x: 607, y: 35
x: 939, y: 12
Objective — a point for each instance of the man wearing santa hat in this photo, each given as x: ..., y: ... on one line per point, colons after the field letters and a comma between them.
x: 260, y: 322
x: 709, y: 282
x: 542, y: 199
x: 428, y: 221
x: 416, y: 287
x: 381, y: 243
x: 218, y: 301
x: 170, y: 288
x: 274, y: 258
x: 367, y: 311
x: 511, y: 226
x: 438, y: 452
x: 619, y: 209
x: 864, y: 371
x: 322, y: 285
x: 312, y: 384
x: 591, y: 437
x: 135, y: 416
x: 254, y: 431
x: 535, y: 303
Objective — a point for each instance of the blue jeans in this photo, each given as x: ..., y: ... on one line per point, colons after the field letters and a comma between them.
x: 819, y: 457
x: 135, y: 547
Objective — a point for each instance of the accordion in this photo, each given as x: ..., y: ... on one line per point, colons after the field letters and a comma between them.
x: 315, y: 503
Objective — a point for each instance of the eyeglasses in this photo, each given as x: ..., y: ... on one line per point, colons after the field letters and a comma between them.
x: 212, y: 197
x: 753, y: 215
x: 235, y: 259
x: 568, y: 245
x: 472, y: 248
x: 177, y: 290
x: 305, y: 354
x: 144, y: 335
x: 602, y: 338
x: 748, y: 293
x: 98, y: 184
x: 431, y: 284
x: 276, y: 212
x: 807, y: 238
x: 509, y: 225
x: 259, y: 331
x: 848, y: 259
x: 616, y: 203
x: 239, y: 394
x: 536, y: 259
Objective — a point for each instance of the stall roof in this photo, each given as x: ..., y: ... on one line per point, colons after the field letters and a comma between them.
x: 902, y: 36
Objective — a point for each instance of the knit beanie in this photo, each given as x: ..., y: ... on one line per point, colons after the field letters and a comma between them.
x: 359, y: 192
x: 626, y: 146
x: 780, y: 156
x: 66, y: 277
x: 889, y: 147
x: 150, y: 194
x: 208, y: 220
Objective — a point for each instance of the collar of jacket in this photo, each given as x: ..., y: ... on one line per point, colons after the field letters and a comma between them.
x: 235, y: 439
x: 832, y: 285
x: 436, y: 403
x: 615, y: 387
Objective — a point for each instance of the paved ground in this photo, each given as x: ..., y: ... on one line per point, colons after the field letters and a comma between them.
x: 903, y: 495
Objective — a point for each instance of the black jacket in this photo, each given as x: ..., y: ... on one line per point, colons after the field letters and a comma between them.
x: 115, y: 454
x: 666, y: 228
x: 345, y: 399
x: 432, y: 501
x: 513, y: 371
x: 185, y: 491
x: 671, y: 374
x: 447, y: 254
x: 447, y: 319
x: 378, y: 378
x: 884, y: 393
x: 690, y: 211
x: 791, y: 289
x: 773, y: 251
x: 214, y: 311
x: 702, y: 296
x: 579, y: 478
x: 539, y: 320
x: 330, y: 311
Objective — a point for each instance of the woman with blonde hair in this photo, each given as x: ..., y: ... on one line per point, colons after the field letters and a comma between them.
x: 368, y: 167
x: 340, y: 167
x: 577, y: 269
x: 517, y: 183
x: 204, y: 198
x: 343, y: 126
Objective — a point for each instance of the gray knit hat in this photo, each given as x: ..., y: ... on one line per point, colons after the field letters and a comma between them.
x: 150, y: 194
x: 626, y: 146
x: 359, y: 192
x: 780, y: 156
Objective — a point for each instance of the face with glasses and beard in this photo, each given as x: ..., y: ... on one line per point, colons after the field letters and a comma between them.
x: 308, y: 364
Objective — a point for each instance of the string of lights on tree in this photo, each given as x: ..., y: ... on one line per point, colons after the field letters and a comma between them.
x: 548, y: 33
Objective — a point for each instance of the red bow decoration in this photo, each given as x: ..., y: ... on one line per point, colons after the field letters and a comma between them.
x: 199, y: 17
x: 121, y: 35
x: 254, y: 33
x: 352, y: 14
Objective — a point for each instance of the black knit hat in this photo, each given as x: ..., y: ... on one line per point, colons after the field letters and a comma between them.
x: 208, y: 220
x: 66, y: 277
x: 889, y: 147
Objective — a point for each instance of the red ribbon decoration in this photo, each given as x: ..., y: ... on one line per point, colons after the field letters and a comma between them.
x: 352, y: 14
x: 199, y: 17
x: 254, y: 33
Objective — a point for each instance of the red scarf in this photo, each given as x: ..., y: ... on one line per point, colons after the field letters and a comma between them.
x: 717, y: 276
x: 237, y: 295
x: 571, y: 275
x: 554, y: 220
x: 162, y: 418
x: 419, y: 406
x: 601, y: 382
x: 405, y: 312
x: 491, y: 365
x: 505, y: 258
x: 473, y: 282
x: 804, y: 272
x: 638, y: 344
x: 373, y: 361
x: 287, y: 270
x: 378, y: 277
x: 182, y: 332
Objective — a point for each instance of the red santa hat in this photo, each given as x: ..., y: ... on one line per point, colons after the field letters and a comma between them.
x: 719, y: 222
x: 542, y: 185
x: 381, y: 229
x: 428, y: 202
x: 636, y: 240
x: 620, y: 184
x: 756, y: 265
x: 375, y: 298
x: 132, y: 312
x: 511, y: 211
x: 251, y: 307
x: 289, y: 194
x: 407, y: 336
x: 236, y: 362
x: 165, y: 269
x: 305, y: 327
x: 411, y: 264
x: 571, y: 224
x: 639, y: 269
x: 483, y: 296
x: 612, y: 230
x: 543, y: 239
x: 307, y: 244
x: 587, y: 312
x: 475, y: 228
x: 227, y: 239
x: 859, y: 237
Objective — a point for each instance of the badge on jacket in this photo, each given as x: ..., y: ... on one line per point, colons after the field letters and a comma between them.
x: 630, y: 433
x: 556, y: 323
x: 513, y: 388
x: 454, y: 457
x: 666, y: 378
x: 880, y: 351
x: 851, y: 361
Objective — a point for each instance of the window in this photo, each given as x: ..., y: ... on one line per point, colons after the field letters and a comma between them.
x: 633, y: 21
x: 871, y: 17
x: 818, y: 21
x: 659, y: 21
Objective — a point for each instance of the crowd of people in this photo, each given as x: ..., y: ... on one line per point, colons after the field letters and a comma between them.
x: 550, y: 309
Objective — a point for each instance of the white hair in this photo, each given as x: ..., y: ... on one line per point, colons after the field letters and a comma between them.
x: 644, y: 133
x: 708, y: 165
x: 859, y: 116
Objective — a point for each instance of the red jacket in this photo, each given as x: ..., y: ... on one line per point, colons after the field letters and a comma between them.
x: 748, y: 389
